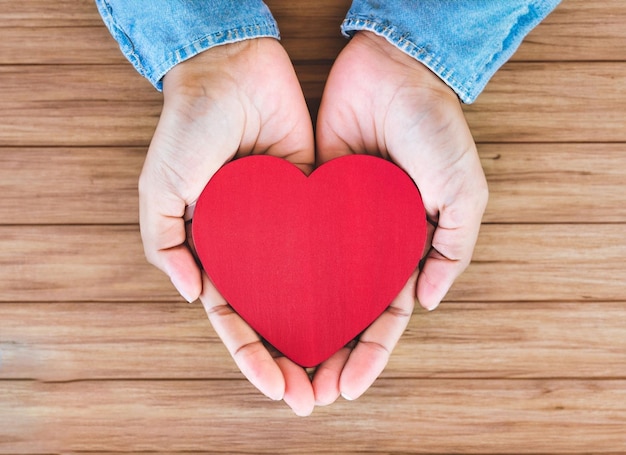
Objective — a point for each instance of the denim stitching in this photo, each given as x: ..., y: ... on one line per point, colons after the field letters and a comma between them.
x: 176, y: 56
x: 125, y: 42
x: 467, y: 84
x: 529, y: 17
x: 416, y: 51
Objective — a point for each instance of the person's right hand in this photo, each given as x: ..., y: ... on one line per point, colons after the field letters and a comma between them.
x: 229, y: 101
x: 380, y: 101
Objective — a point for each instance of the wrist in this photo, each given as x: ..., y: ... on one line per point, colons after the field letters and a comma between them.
x: 417, y: 72
x: 222, y: 63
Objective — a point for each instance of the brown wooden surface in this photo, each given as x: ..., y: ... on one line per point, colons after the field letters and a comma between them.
x: 99, y: 355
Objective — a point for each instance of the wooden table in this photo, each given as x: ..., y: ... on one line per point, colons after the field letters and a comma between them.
x: 99, y: 355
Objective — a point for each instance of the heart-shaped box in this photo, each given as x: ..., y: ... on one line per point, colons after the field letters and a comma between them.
x: 309, y: 262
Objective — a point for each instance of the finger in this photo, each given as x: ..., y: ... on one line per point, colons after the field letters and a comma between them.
x: 453, y: 244
x: 326, y: 379
x: 436, y: 278
x: 430, y: 233
x: 180, y: 265
x: 164, y: 238
x: 449, y: 256
x: 298, y: 390
x: 243, y: 344
x: 371, y: 354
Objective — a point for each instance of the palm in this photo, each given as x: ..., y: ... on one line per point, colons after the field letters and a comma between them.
x: 237, y: 103
x: 396, y: 108
x: 380, y: 101
x: 227, y: 102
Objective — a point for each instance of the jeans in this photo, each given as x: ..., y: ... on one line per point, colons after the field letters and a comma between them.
x: 464, y: 42
x: 157, y: 35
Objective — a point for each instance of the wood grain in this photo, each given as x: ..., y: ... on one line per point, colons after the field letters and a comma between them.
x: 511, y: 263
x: 555, y: 183
x: 545, y: 263
x: 76, y: 105
x: 110, y: 105
x: 528, y: 183
x: 403, y: 416
x: 174, y: 340
x: 552, y: 102
x: 39, y: 13
x: 99, y: 355
x: 578, y: 30
x: 92, y: 44
x: 70, y: 185
x: 87, y: 263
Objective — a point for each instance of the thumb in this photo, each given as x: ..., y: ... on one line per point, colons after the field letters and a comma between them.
x: 453, y: 243
x: 164, y: 238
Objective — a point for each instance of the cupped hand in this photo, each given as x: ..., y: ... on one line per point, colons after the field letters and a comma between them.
x: 380, y: 101
x: 229, y: 101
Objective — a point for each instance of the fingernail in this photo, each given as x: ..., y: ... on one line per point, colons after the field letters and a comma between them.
x: 182, y: 292
x: 186, y: 297
x: 432, y: 307
x: 301, y: 413
x: 346, y: 397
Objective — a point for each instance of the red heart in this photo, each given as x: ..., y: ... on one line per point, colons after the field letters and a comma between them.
x: 309, y: 263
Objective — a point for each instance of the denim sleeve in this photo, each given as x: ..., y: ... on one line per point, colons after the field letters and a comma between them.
x: 156, y: 35
x: 464, y: 42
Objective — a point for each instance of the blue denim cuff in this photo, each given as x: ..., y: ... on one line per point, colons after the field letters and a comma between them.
x: 156, y: 36
x: 464, y: 42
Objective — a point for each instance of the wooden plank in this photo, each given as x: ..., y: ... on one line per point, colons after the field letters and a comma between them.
x: 511, y: 263
x: 577, y: 30
x: 514, y: 340
x: 76, y: 106
x: 546, y: 263
x: 69, y: 185
x: 529, y: 183
x: 174, y: 340
x: 80, y: 124
x: 112, y: 105
x: 310, y: 31
x: 68, y: 263
x: 39, y: 13
x: 552, y: 102
x: 74, y: 85
x: 59, y: 45
x: 555, y: 183
x: 403, y: 416
x: 66, y: 342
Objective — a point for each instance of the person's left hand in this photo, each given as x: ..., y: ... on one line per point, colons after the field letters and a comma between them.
x: 227, y: 102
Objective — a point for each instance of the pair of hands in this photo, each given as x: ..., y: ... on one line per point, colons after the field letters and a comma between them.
x: 244, y: 98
